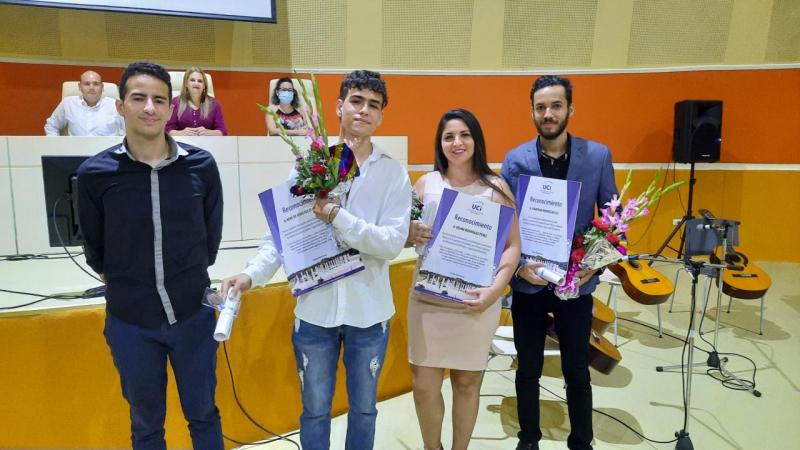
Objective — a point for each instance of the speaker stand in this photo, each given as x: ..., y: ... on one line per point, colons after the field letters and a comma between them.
x: 680, y: 225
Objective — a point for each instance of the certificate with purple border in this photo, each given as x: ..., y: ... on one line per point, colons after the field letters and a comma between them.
x: 547, y: 209
x: 311, y: 256
x: 468, y: 238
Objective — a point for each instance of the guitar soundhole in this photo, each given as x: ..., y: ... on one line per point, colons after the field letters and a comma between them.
x: 733, y: 258
x: 650, y: 280
x: 635, y: 264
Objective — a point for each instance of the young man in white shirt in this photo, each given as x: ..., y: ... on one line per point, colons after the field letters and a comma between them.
x: 353, y: 312
x: 88, y: 114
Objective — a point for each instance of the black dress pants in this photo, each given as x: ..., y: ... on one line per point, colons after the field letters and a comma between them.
x: 573, y: 323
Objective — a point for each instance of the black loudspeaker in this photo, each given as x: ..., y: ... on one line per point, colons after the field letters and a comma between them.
x: 698, y: 131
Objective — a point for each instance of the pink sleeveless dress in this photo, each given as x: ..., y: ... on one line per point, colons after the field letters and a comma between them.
x: 445, y: 334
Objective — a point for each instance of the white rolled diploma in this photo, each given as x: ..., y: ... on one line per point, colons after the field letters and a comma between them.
x: 550, y: 276
x: 225, y: 321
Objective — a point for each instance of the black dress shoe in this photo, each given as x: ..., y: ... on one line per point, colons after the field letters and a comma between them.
x: 528, y: 446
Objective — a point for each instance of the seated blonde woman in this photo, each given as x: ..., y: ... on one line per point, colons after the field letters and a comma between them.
x: 195, y: 113
x: 285, y: 103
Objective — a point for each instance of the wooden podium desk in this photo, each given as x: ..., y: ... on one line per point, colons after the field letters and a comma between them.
x: 59, y: 387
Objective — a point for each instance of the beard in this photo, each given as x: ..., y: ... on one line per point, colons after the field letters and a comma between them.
x: 553, y: 134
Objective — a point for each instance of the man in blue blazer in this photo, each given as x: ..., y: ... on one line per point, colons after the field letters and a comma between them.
x: 556, y: 154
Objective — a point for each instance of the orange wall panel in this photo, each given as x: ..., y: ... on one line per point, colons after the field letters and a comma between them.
x: 632, y: 113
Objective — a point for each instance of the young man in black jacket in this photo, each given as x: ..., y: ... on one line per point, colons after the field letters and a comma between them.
x: 151, y: 216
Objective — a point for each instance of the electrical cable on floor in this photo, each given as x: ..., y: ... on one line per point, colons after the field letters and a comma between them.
x: 669, y: 335
x: 89, y: 293
x: 30, y: 256
x: 731, y: 383
x: 616, y: 419
x: 244, y: 411
x: 726, y: 382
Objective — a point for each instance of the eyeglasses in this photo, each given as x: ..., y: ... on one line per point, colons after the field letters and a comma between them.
x: 285, y: 90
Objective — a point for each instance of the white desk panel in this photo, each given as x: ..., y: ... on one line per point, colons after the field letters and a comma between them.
x: 254, y: 179
x: 232, y: 208
x: 248, y: 165
x: 26, y: 151
x: 224, y: 148
x: 8, y: 243
x: 30, y: 211
x: 266, y: 149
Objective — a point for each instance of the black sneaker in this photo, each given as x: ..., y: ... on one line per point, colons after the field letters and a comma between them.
x: 528, y: 446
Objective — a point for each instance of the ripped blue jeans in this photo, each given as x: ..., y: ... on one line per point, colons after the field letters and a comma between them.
x: 316, y: 351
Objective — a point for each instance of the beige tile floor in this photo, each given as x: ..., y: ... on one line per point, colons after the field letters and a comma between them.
x: 648, y: 401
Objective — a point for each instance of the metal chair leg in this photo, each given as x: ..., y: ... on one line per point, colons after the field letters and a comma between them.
x: 658, y: 312
x: 674, y: 291
x: 612, y: 295
x: 616, y: 324
x: 761, y: 317
x: 730, y: 299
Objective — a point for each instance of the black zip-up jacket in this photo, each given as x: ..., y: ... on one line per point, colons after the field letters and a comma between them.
x: 152, y: 232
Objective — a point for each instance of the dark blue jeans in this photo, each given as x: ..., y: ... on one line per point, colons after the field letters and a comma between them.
x: 316, y: 351
x: 573, y: 324
x: 140, y: 355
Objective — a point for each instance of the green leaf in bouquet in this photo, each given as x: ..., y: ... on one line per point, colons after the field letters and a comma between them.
x: 320, y: 112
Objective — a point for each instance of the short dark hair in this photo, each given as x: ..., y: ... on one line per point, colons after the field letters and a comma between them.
x: 553, y: 80
x: 364, y: 79
x: 276, y: 101
x: 143, y: 68
x: 479, y: 162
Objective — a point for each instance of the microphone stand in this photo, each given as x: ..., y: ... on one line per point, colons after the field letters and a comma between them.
x: 721, y: 227
x: 694, y: 268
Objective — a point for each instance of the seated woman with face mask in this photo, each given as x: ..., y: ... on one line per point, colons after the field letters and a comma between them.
x: 284, y: 102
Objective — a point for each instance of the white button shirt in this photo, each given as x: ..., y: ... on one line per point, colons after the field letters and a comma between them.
x: 102, y: 119
x: 374, y: 220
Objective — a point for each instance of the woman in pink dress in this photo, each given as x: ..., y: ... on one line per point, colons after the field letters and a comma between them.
x: 448, y: 335
x: 194, y: 112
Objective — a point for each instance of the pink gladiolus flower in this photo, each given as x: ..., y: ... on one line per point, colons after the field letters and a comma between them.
x: 614, y: 203
x: 623, y: 227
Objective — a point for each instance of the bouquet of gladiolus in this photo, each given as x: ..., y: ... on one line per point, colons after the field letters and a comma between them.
x: 604, y: 242
x: 322, y: 171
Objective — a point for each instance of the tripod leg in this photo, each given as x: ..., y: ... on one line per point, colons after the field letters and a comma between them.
x: 707, y: 289
x: 658, y: 312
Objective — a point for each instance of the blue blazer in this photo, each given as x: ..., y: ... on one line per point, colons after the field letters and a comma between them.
x: 590, y: 163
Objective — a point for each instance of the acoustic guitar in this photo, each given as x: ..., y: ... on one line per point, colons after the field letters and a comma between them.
x: 603, y: 356
x: 642, y: 283
x: 750, y: 283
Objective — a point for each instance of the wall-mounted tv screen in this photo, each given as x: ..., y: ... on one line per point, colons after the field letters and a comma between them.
x: 246, y: 10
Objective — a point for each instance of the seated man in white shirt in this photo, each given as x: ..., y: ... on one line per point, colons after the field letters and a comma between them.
x: 89, y: 114
x: 353, y: 312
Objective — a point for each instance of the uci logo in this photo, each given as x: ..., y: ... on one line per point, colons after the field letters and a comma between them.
x: 547, y: 188
x: 477, y: 207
